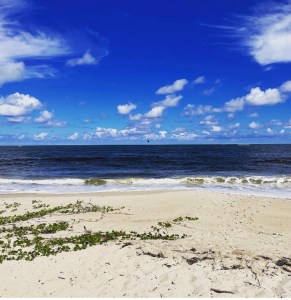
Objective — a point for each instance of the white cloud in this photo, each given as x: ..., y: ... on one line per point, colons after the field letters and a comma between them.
x: 234, y: 105
x: 256, y: 97
x: 253, y: 115
x: 155, y: 112
x: 169, y: 101
x: 41, y: 136
x: 136, y: 117
x: 18, y: 105
x: 254, y: 125
x: 12, y: 71
x: 158, y: 126
x: 44, y: 117
x: 208, y: 92
x: 126, y: 108
x: 268, y: 36
x: 267, y: 97
x: 208, y: 121
x: 88, y: 136
x: 183, y: 135
x: 199, y: 80
x: 17, y: 45
x: 56, y: 123
x: 105, y: 132
x: 109, y: 133
x: 215, y: 128
x: 17, y: 119
x: 236, y: 125
x: 86, y: 59
x: 276, y: 122
x: 156, y: 136
x: 177, y: 86
x: 270, y: 131
x: 192, y: 110
x: 286, y: 87
x: 73, y: 136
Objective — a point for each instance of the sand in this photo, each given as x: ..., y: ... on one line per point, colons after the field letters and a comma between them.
x: 239, y: 247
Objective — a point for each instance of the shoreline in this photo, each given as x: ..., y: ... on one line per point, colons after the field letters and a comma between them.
x: 142, y: 192
x: 236, y: 242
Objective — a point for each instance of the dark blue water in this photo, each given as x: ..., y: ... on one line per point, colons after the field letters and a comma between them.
x: 44, y: 162
x: 255, y: 169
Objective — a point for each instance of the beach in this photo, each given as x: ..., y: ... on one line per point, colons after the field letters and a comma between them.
x: 211, y: 244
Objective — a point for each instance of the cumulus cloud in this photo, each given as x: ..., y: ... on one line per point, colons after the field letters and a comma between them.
x: 155, y: 112
x: 86, y: 59
x: 215, y: 128
x: 182, y: 134
x: 267, y: 35
x: 208, y: 121
x: 136, y: 117
x: 192, y: 110
x: 105, y: 132
x: 169, y: 101
x: 286, y: 87
x: 44, y: 117
x: 113, y: 133
x: 126, y: 108
x: 18, y: 105
x: 41, y: 136
x: 199, y: 80
x: 177, y: 86
x: 254, y: 125
x: 256, y: 97
x: 234, y: 105
x: 156, y: 136
x: 18, y: 45
x: 267, y: 97
x: 73, y: 136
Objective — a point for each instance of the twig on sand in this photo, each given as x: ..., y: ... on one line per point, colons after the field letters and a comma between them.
x: 221, y: 291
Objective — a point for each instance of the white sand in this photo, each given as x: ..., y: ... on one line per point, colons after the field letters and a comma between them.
x: 233, y: 248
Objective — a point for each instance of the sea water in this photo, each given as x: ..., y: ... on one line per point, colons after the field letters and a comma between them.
x: 243, y: 169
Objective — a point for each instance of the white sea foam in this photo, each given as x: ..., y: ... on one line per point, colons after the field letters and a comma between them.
x: 279, y: 186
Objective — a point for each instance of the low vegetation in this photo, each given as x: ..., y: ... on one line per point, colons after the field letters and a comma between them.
x: 26, y: 242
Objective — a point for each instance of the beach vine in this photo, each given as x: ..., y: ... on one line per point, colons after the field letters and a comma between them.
x: 26, y: 242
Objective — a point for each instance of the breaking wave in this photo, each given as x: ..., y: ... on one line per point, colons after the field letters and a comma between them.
x: 279, y: 186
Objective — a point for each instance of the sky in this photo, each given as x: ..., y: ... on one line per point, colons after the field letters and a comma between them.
x: 145, y: 72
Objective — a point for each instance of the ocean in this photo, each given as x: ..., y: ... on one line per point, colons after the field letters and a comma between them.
x: 243, y: 169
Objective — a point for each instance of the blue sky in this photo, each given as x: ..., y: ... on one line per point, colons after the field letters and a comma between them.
x: 129, y: 72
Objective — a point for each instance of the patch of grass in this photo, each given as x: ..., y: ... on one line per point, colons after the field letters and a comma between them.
x: 67, y: 209
x: 165, y: 224
x: 29, y: 242
x: 11, y: 205
x: 191, y: 218
x: 179, y: 219
x: 36, y: 230
x: 40, y: 205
